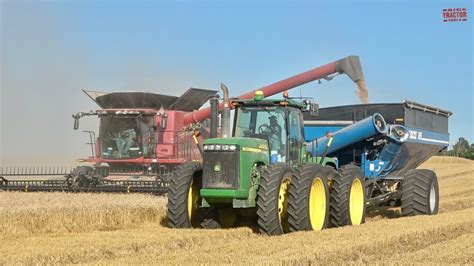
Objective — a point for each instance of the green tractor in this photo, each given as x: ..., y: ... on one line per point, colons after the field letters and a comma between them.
x: 264, y: 174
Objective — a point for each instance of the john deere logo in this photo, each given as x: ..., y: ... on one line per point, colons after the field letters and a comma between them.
x: 217, y: 167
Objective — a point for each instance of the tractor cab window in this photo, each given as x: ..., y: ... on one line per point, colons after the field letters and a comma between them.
x: 296, y: 134
x: 126, y: 136
x: 264, y: 122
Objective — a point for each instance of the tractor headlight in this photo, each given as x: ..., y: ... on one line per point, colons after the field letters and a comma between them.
x: 209, y: 147
x: 219, y: 147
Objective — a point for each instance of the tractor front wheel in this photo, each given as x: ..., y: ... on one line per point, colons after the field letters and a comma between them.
x: 183, y: 196
x: 347, y: 205
x: 272, y: 199
x: 308, y: 203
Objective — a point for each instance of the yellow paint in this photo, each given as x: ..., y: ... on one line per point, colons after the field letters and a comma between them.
x: 356, y: 202
x: 330, y: 141
x: 249, y: 149
x: 317, y: 204
x: 192, y: 203
x: 283, y: 202
x: 263, y: 147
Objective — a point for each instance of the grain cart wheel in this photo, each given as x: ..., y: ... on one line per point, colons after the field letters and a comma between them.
x: 347, y: 204
x: 420, y: 193
x: 272, y: 199
x: 183, y: 196
x: 308, y: 202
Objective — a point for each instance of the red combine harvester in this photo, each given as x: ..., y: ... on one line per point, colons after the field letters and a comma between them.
x: 143, y: 136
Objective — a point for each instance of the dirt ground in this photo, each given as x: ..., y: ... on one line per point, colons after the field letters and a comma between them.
x: 129, y: 229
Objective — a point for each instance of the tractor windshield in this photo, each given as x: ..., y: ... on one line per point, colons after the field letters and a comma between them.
x: 126, y: 136
x: 264, y: 122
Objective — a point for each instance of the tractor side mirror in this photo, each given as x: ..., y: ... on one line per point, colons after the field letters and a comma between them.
x: 76, y: 123
x: 313, y: 109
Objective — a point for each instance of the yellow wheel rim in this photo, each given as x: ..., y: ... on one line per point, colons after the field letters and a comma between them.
x: 317, y: 204
x: 356, y: 202
x: 283, y: 202
x: 193, y: 195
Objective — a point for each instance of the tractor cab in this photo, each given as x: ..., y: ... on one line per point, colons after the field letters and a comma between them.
x: 279, y: 123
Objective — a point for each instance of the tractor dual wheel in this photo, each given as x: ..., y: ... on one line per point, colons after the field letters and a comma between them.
x: 420, y: 193
x: 347, y: 204
x: 272, y: 199
x: 308, y: 202
x: 183, y: 196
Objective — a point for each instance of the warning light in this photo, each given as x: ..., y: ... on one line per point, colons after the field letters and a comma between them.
x: 258, y: 96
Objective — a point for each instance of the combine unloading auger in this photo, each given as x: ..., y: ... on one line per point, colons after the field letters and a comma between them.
x: 166, y: 129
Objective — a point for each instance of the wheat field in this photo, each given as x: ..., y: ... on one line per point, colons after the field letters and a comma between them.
x: 130, y: 229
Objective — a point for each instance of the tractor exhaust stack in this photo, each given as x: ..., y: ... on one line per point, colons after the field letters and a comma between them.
x: 225, y: 124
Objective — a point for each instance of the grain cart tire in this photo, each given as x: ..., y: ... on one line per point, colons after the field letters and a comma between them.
x: 308, y: 202
x: 347, y: 204
x: 272, y: 199
x: 420, y: 193
x: 183, y: 196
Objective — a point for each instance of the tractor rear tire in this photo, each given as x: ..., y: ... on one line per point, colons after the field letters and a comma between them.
x: 183, y: 196
x: 272, y: 199
x: 420, y: 193
x: 308, y: 202
x: 347, y: 205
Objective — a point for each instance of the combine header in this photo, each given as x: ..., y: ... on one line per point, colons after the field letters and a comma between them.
x: 144, y: 136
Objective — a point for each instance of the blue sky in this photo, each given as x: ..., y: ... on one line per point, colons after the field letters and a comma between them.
x: 52, y: 49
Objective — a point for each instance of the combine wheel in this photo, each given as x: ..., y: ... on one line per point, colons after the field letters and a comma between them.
x: 347, y: 204
x: 420, y: 193
x: 183, y: 196
x: 272, y: 199
x: 308, y: 202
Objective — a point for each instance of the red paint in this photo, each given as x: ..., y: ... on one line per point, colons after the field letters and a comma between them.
x: 270, y: 90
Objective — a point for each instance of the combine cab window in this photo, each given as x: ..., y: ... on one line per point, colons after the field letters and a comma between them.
x: 126, y: 137
x: 266, y: 123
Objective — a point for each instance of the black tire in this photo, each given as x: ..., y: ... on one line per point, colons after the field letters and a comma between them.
x: 420, y: 193
x: 300, y: 194
x: 347, y: 181
x: 183, y: 178
x: 271, y: 219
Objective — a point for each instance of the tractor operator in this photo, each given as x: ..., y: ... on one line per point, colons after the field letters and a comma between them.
x: 274, y: 138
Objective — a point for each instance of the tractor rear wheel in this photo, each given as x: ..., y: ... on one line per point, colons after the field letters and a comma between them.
x: 183, y: 196
x: 308, y: 202
x: 272, y: 199
x: 347, y: 205
x: 420, y: 193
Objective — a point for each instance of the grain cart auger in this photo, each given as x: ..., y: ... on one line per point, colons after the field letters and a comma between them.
x: 143, y: 136
x: 267, y: 172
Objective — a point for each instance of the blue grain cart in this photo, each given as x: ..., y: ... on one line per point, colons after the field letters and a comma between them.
x: 383, y: 143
